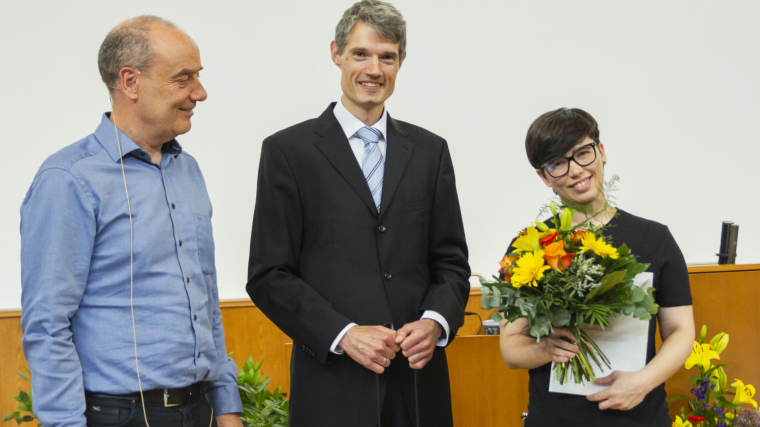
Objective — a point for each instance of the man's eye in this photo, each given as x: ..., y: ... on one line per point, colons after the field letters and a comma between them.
x: 583, y: 153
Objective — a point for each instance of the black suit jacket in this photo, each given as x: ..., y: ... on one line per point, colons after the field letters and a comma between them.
x: 323, y: 257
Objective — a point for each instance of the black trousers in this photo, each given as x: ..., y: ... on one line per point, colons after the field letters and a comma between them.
x: 395, y: 410
x: 117, y: 412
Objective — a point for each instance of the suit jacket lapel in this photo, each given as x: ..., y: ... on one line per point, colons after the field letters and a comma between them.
x: 397, y: 157
x: 336, y: 148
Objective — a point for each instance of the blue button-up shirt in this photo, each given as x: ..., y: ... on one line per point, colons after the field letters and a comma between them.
x: 75, y: 275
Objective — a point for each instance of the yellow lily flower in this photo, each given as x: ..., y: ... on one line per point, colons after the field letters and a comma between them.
x: 681, y: 423
x: 600, y: 247
x: 744, y: 393
x: 530, y: 268
x: 719, y: 342
x: 529, y: 242
x: 701, y: 355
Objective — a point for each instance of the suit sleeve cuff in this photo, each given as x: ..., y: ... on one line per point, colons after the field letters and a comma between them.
x: 225, y: 399
x: 334, y: 347
x: 433, y: 315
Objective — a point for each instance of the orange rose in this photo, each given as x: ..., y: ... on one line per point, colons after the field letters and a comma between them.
x: 556, y: 257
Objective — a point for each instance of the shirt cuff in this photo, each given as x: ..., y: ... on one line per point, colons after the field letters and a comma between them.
x: 225, y: 399
x: 334, y: 347
x: 434, y: 315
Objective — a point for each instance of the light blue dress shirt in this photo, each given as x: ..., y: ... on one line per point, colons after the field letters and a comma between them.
x: 75, y: 297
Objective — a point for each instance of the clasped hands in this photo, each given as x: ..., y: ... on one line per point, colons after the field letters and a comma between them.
x: 626, y: 389
x: 374, y: 347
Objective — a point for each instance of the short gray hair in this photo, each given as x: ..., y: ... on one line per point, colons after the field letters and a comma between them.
x: 383, y: 17
x: 128, y: 45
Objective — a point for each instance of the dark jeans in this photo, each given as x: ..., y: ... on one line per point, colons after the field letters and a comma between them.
x: 116, y: 412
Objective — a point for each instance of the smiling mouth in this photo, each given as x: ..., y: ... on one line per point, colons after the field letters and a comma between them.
x: 187, y: 110
x: 370, y: 84
x: 581, y: 184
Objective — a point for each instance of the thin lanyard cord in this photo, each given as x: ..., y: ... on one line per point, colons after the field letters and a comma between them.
x: 131, y: 270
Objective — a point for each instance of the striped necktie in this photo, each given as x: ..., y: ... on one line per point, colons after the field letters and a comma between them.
x: 373, y: 162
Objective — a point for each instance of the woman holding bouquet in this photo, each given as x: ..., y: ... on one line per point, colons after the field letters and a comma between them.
x: 564, y: 148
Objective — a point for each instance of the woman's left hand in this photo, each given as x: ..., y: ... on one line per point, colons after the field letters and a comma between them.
x: 626, y: 390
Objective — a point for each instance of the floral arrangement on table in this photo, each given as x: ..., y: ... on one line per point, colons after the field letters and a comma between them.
x: 712, y: 383
x: 568, y: 276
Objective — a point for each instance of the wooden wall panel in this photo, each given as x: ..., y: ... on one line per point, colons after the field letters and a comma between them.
x: 484, y: 390
x: 11, y: 360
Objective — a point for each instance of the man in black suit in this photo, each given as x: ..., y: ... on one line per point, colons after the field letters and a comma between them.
x: 358, y: 250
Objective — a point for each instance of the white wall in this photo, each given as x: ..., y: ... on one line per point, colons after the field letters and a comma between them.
x: 673, y: 84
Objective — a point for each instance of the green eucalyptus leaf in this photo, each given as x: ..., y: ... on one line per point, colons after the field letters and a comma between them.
x: 496, y: 316
x: 535, y: 331
x: 642, y: 313
x: 654, y: 309
x: 484, y: 299
x: 647, y: 302
x: 637, y: 294
x: 628, y: 309
x: 561, y: 316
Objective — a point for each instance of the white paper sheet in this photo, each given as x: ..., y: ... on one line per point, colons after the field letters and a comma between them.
x: 624, y: 343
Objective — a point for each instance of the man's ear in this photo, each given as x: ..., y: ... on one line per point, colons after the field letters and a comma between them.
x: 129, y: 79
x: 542, y: 175
x: 334, y: 53
x: 401, y: 61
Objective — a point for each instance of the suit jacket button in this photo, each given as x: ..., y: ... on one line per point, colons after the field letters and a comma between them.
x: 388, y: 276
x: 382, y: 228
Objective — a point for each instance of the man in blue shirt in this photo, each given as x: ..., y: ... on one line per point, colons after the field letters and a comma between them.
x: 119, y: 292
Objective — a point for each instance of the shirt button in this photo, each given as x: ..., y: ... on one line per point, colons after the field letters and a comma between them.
x: 180, y: 242
x: 195, y: 317
x: 173, y: 206
x: 199, y: 355
x: 188, y: 279
x: 388, y: 276
x: 382, y: 228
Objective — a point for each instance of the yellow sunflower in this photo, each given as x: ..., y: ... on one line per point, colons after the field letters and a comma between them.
x: 530, y: 268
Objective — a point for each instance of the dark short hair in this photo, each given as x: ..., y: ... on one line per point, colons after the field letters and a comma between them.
x: 554, y: 133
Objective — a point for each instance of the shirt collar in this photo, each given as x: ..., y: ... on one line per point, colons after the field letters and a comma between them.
x: 351, y: 124
x: 107, y: 138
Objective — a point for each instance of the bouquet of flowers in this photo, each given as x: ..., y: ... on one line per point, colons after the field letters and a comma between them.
x: 568, y: 276
x: 712, y: 383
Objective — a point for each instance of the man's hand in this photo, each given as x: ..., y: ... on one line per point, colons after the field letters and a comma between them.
x: 371, y: 346
x: 628, y: 389
x: 229, y: 420
x: 417, y: 340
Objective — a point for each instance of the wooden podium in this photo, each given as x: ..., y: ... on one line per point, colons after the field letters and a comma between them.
x: 484, y: 392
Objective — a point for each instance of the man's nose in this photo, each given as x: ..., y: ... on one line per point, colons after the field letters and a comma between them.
x: 199, y: 92
x: 373, y: 67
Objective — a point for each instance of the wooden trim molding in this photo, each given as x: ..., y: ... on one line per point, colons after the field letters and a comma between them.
x: 10, y: 313
x: 695, y: 269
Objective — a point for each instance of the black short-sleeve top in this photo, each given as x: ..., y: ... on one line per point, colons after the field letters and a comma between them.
x: 653, y: 244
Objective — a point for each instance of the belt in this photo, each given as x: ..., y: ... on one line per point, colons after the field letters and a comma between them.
x: 167, y: 397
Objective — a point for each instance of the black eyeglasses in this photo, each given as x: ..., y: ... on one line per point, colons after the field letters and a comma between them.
x: 560, y: 166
